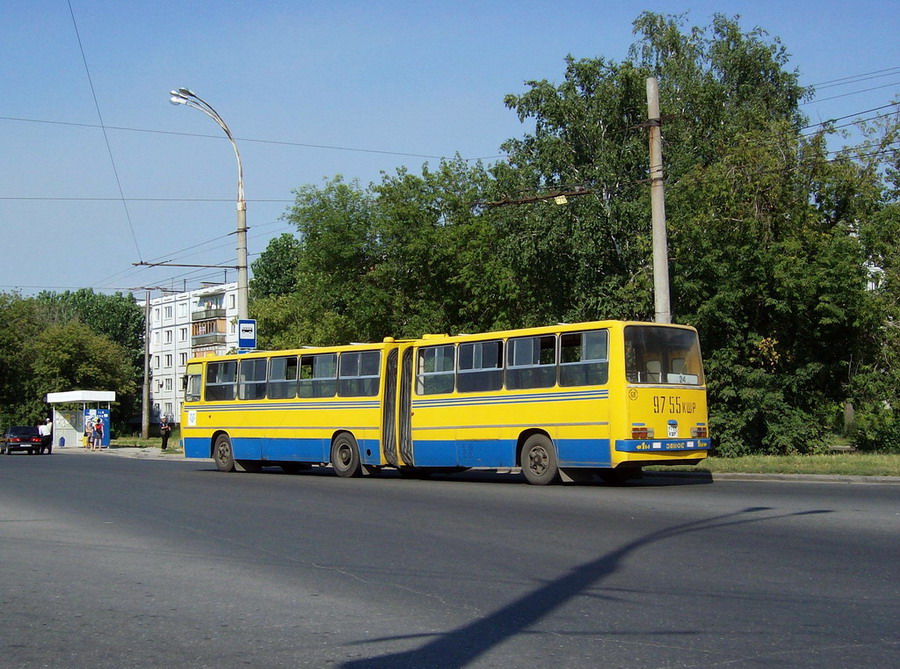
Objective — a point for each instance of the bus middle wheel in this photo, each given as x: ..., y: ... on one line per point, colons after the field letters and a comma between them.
x: 345, y: 456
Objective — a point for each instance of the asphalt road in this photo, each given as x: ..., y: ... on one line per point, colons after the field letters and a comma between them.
x: 115, y: 562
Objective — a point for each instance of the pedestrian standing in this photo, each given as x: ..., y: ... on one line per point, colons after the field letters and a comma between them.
x: 164, y: 431
x: 46, y: 430
x: 97, y: 443
x: 88, y: 440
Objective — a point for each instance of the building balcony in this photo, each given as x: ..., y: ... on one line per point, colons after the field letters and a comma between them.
x: 209, y: 339
x: 207, y: 314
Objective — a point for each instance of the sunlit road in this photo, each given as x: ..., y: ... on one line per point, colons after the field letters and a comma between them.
x: 114, y: 562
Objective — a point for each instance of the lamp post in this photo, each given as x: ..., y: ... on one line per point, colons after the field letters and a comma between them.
x: 184, y: 96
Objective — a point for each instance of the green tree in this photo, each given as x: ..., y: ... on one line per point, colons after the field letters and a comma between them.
x: 275, y: 271
x: 770, y: 238
x: 73, y: 340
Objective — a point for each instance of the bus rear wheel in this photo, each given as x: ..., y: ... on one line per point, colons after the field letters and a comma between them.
x: 345, y: 456
x: 539, y: 460
x: 223, y: 455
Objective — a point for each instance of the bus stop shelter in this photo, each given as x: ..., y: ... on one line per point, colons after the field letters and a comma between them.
x: 69, y: 422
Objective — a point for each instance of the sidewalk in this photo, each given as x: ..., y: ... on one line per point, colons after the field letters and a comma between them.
x: 144, y: 453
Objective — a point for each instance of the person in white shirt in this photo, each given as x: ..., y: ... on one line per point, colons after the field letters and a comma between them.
x: 46, y: 430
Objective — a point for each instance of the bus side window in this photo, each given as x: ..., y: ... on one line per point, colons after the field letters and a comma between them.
x: 282, y: 378
x: 359, y: 373
x: 531, y: 362
x: 318, y: 375
x: 252, y: 379
x: 480, y: 366
x: 584, y: 358
x: 434, y: 370
x: 221, y: 379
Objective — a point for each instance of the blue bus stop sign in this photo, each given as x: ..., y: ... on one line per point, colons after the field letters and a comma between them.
x: 247, y: 333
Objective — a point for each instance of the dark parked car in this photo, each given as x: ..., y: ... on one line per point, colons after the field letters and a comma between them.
x: 21, y: 438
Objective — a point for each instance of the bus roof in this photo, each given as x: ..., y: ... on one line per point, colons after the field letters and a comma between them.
x: 390, y: 342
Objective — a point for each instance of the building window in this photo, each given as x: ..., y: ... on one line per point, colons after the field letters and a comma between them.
x: 168, y: 312
x: 182, y: 359
x: 231, y: 301
x: 156, y: 314
x: 168, y: 336
x: 168, y: 408
x: 182, y: 310
x: 155, y: 362
x: 168, y: 384
x: 168, y: 360
x: 182, y: 334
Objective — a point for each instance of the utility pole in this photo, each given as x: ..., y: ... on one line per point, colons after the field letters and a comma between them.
x: 145, y: 395
x: 658, y: 208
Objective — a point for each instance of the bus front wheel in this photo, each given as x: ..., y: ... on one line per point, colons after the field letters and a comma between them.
x: 223, y: 455
x: 539, y: 460
x: 345, y: 456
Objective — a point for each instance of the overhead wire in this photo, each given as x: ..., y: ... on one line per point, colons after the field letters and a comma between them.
x: 828, y: 84
x: 112, y: 159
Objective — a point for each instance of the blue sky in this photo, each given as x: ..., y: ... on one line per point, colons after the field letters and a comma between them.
x: 350, y: 88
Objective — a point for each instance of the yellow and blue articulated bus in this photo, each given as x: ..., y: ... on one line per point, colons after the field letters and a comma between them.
x: 567, y: 402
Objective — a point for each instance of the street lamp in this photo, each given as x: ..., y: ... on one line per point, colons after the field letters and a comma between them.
x: 184, y: 96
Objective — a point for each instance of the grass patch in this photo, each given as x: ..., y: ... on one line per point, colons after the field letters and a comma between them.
x: 153, y: 442
x: 836, y: 464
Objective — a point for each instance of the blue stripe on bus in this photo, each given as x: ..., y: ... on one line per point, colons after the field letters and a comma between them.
x: 502, y: 453
x: 661, y: 445
x: 288, y: 450
x: 466, y: 400
x: 428, y: 453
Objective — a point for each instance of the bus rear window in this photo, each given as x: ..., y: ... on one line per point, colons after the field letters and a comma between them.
x: 662, y: 355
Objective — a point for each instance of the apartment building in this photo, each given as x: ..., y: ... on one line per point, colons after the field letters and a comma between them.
x: 182, y: 326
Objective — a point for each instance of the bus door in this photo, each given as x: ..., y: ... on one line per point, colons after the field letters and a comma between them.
x: 389, y: 410
x: 404, y: 409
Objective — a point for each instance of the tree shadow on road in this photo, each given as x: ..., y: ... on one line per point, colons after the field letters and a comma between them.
x: 465, y: 644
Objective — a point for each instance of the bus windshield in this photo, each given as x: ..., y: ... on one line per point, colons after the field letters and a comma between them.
x: 662, y: 355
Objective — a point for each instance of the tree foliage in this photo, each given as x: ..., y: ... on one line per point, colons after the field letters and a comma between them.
x: 56, y: 342
x: 785, y: 258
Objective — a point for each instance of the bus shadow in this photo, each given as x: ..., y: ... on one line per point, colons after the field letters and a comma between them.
x: 649, y: 479
x: 463, y: 645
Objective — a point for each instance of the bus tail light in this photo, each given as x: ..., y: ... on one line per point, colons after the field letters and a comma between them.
x: 699, y: 432
x: 641, y: 432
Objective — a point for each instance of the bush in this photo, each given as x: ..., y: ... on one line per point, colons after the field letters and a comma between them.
x: 877, y: 429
